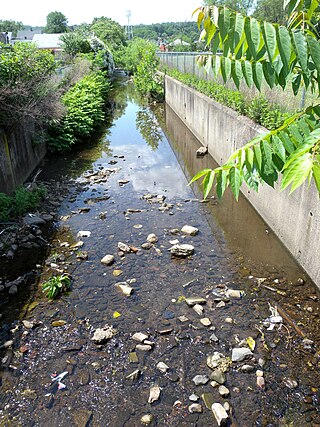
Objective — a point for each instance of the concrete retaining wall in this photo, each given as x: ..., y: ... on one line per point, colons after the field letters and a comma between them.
x: 19, y: 156
x: 296, y: 218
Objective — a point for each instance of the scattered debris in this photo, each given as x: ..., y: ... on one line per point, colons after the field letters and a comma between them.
x: 195, y: 408
x: 162, y: 367
x: 154, y: 394
x: 139, y: 336
x: 200, y: 379
x: 101, y: 335
x: 123, y: 247
x: 182, y: 251
x: 188, y: 229
x: 220, y: 414
x: 124, y: 288
x: 152, y: 238
x: 82, y: 234
x: 202, y: 151
x: 274, y: 319
x: 146, y: 419
x: 107, y: 260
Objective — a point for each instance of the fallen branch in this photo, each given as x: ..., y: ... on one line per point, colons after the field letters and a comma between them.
x: 34, y: 179
x: 290, y: 321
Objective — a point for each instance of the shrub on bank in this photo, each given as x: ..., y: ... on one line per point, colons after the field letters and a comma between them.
x: 28, y: 86
x: 258, y: 109
x: 85, y: 112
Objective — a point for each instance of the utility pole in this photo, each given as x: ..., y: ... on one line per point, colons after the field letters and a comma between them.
x: 128, y: 28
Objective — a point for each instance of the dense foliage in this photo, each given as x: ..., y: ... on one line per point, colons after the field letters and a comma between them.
x: 257, y: 52
x: 168, y: 31
x: 87, y: 46
x: 131, y: 55
x: 57, y: 22
x: 85, y: 111
x: 242, y: 6
x: 27, y: 85
x: 74, y: 43
x: 24, y: 61
x: 258, y: 109
x: 109, y: 31
x: 11, y: 26
x: 267, y: 10
x: 22, y: 201
x: 271, y: 11
x: 145, y: 63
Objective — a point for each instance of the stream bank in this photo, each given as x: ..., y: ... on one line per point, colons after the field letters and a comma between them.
x: 130, y: 185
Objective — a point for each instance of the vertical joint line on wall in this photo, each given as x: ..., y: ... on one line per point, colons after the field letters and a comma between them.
x: 7, y: 151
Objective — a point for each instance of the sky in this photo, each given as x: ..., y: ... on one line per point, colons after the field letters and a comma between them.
x: 34, y: 12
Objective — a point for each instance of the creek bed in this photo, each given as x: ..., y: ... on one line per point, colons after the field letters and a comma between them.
x: 110, y: 187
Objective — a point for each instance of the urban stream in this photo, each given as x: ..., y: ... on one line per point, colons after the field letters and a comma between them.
x: 250, y: 344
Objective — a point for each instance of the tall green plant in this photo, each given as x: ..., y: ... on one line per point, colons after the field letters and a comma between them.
x: 85, y: 105
x: 256, y: 52
x: 145, y: 78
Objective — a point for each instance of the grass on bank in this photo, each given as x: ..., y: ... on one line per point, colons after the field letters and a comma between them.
x: 23, y: 200
x: 258, y: 108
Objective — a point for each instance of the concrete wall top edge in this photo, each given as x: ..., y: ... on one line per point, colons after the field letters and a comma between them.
x: 234, y: 114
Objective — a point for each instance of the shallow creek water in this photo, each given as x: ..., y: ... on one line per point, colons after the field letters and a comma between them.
x: 234, y: 249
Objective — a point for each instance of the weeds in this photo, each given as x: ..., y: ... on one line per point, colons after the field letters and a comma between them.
x: 23, y: 200
x: 56, y: 285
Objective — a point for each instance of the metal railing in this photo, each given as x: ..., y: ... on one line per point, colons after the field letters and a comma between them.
x: 185, y: 62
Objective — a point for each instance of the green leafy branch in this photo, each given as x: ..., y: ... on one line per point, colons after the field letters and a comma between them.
x: 257, y: 52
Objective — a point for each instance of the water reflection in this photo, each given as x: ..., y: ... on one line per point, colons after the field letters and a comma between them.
x: 243, y: 228
x: 148, y: 127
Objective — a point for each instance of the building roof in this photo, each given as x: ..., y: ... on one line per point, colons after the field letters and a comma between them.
x: 26, y: 34
x: 179, y: 42
x: 47, y: 41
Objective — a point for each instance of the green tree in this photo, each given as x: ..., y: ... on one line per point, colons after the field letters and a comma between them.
x: 242, y: 6
x: 147, y: 125
x: 132, y: 54
x: 256, y: 53
x: 56, y: 23
x: 74, y: 43
x: 110, y: 32
x: 144, y: 62
x: 13, y: 26
x: 270, y: 10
